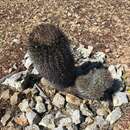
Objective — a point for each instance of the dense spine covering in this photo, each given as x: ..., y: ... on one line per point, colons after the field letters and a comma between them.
x: 50, y: 52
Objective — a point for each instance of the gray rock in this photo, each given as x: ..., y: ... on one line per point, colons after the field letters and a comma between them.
x: 48, y: 121
x: 85, y: 111
x: 114, y: 115
x: 14, y: 82
x: 99, y: 57
x: 59, y: 128
x: 76, y: 117
x: 119, y: 98
x: 32, y: 127
x: 72, y: 127
x: 30, y: 116
x: 58, y: 100
x: 92, y: 127
x: 23, y: 105
x: 5, y: 118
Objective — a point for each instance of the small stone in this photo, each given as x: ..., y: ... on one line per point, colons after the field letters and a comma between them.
x: 23, y: 105
x: 85, y: 111
x: 32, y: 127
x: 102, y: 112
x: 73, y: 99
x: 59, y: 115
x: 120, y: 98
x: 92, y: 127
x: 30, y: 116
x: 21, y: 120
x: 48, y: 121
x: 65, y: 121
x: 58, y: 100
x: 100, y: 57
x: 72, y: 127
x: 40, y: 107
x: 14, y: 99
x: 114, y: 115
x: 76, y: 117
x: 89, y: 120
x: 59, y: 128
x: 5, y: 118
x: 5, y: 95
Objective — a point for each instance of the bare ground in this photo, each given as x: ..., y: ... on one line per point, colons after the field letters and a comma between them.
x: 101, y: 23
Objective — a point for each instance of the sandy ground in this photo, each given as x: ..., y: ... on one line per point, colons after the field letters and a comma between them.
x: 105, y: 24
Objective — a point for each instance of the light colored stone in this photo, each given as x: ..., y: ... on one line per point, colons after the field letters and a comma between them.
x: 85, y: 111
x: 92, y: 127
x: 59, y: 128
x: 102, y: 112
x: 48, y: 121
x: 21, y: 120
x: 100, y: 57
x: 5, y: 118
x: 30, y: 115
x: 40, y: 107
x: 58, y: 100
x: 114, y: 115
x: 76, y: 117
x: 5, y: 95
x: 73, y: 99
x: 32, y: 127
x: 65, y: 121
x: 23, y: 105
x: 119, y: 98
x: 14, y: 98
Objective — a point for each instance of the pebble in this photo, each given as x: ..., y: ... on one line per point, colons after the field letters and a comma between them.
x: 30, y: 116
x: 89, y: 120
x: 92, y: 127
x: 32, y: 127
x: 58, y: 100
x: 100, y: 57
x: 120, y: 98
x: 5, y: 95
x: 14, y: 99
x: 65, y: 121
x: 114, y: 115
x: 48, y: 121
x: 40, y: 107
x: 85, y: 111
x: 76, y: 117
x: 73, y: 99
x: 23, y: 105
x: 21, y: 119
x: 5, y: 118
x: 102, y: 112
x: 59, y: 128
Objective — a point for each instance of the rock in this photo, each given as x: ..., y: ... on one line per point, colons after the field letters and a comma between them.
x: 48, y: 121
x: 32, y: 127
x: 72, y: 127
x: 102, y: 112
x: 119, y: 98
x: 85, y: 111
x: 92, y: 127
x: 40, y: 107
x: 99, y: 57
x: 124, y: 122
x: 65, y: 121
x: 5, y: 118
x: 59, y: 128
x: 21, y: 119
x: 15, y: 80
x: 114, y: 115
x: 89, y: 120
x: 14, y: 98
x: 5, y: 95
x: 23, y: 105
x: 73, y: 99
x: 76, y: 117
x: 30, y: 116
x: 59, y: 115
x: 58, y: 100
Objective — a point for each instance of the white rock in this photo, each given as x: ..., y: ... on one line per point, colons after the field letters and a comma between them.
x: 40, y: 107
x: 32, y: 127
x: 14, y: 81
x: 72, y: 127
x: 5, y: 118
x: 14, y: 98
x: 100, y: 57
x: 92, y: 127
x: 85, y: 111
x: 114, y: 115
x: 58, y: 100
x: 30, y: 116
x: 89, y: 120
x: 59, y: 128
x: 48, y: 121
x: 76, y: 117
x: 59, y: 115
x: 5, y: 95
x: 119, y: 98
x: 65, y: 121
x: 23, y: 105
